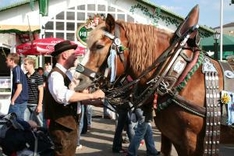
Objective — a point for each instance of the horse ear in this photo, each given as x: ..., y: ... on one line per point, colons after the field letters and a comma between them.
x: 110, y: 23
x: 190, y: 20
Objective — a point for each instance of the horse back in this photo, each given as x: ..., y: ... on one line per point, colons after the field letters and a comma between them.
x: 196, y: 87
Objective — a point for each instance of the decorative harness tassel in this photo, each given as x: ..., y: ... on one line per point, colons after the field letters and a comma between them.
x: 112, y: 63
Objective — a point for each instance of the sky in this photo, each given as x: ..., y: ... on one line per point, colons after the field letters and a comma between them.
x: 209, y: 14
x: 209, y: 9
x: 9, y: 2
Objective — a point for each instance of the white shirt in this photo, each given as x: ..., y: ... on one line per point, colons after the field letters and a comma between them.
x: 73, y: 84
x: 57, y: 88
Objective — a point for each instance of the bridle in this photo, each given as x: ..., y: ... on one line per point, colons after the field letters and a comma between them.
x: 99, y: 79
x: 157, y: 83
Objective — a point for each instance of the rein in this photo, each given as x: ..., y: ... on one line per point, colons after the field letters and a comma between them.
x: 156, y: 84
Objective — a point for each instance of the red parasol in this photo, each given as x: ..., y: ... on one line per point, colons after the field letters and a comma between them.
x: 44, y: 46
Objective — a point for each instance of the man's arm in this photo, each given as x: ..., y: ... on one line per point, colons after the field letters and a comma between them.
x: 96, y: 103
x: 40, y: 98
x: 78, y: 96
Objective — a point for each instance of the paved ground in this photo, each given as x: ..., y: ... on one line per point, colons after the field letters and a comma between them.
x: 98, y: 142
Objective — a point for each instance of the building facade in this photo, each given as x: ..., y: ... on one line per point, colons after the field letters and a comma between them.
x: 22, y: 22
x: 66, y: 16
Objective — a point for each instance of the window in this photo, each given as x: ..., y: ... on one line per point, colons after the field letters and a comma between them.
x: 60, y: 16
x: 59, y: 35
x: 70, y: 15
x: 90, y: 15
x: 70, y: 36
x: 80, y: 16
x: 81, y: 7
x: 121, y: 17
x: 49, y: 25
x: 91, y: 7
x: 101, y: 8
x: 111, y: 9
x: 49, y: 34
x: 59, y: 25
x: 71, y: 26
x: 65, y: 24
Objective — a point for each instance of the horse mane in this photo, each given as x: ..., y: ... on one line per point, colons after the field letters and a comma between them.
x: 144, y: 40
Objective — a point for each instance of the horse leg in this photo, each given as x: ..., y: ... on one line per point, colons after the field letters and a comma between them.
x: 186, y: 150
x: 183, y: 130
x: 166, y: 145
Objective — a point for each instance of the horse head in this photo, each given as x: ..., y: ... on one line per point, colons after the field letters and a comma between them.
x: 117, y: 48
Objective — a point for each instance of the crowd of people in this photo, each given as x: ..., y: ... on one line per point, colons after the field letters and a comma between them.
x: 49, y: 99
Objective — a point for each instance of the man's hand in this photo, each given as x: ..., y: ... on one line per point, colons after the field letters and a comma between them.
x: 85, y: 91
x: 98, y: 94
x: 39, y: 108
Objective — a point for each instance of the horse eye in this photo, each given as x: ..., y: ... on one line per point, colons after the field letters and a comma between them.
x: 99, y: 46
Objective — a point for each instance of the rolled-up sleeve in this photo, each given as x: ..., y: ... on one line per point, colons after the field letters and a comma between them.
x: 57, y: 88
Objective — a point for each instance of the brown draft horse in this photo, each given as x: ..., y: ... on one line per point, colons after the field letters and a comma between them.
x: 137, y: 48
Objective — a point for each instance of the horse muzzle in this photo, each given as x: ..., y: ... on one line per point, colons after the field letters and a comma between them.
x: 84, y: 83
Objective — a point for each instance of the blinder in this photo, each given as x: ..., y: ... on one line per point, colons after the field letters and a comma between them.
x: 94, y: 76
x: 87, y: 72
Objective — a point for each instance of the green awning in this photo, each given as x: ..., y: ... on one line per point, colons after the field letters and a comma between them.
x: 208, y: 43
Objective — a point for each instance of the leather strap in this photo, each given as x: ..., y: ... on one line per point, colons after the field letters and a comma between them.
x: 213, y: 114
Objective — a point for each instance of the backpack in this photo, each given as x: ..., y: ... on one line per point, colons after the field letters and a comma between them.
x: 17, y: 135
